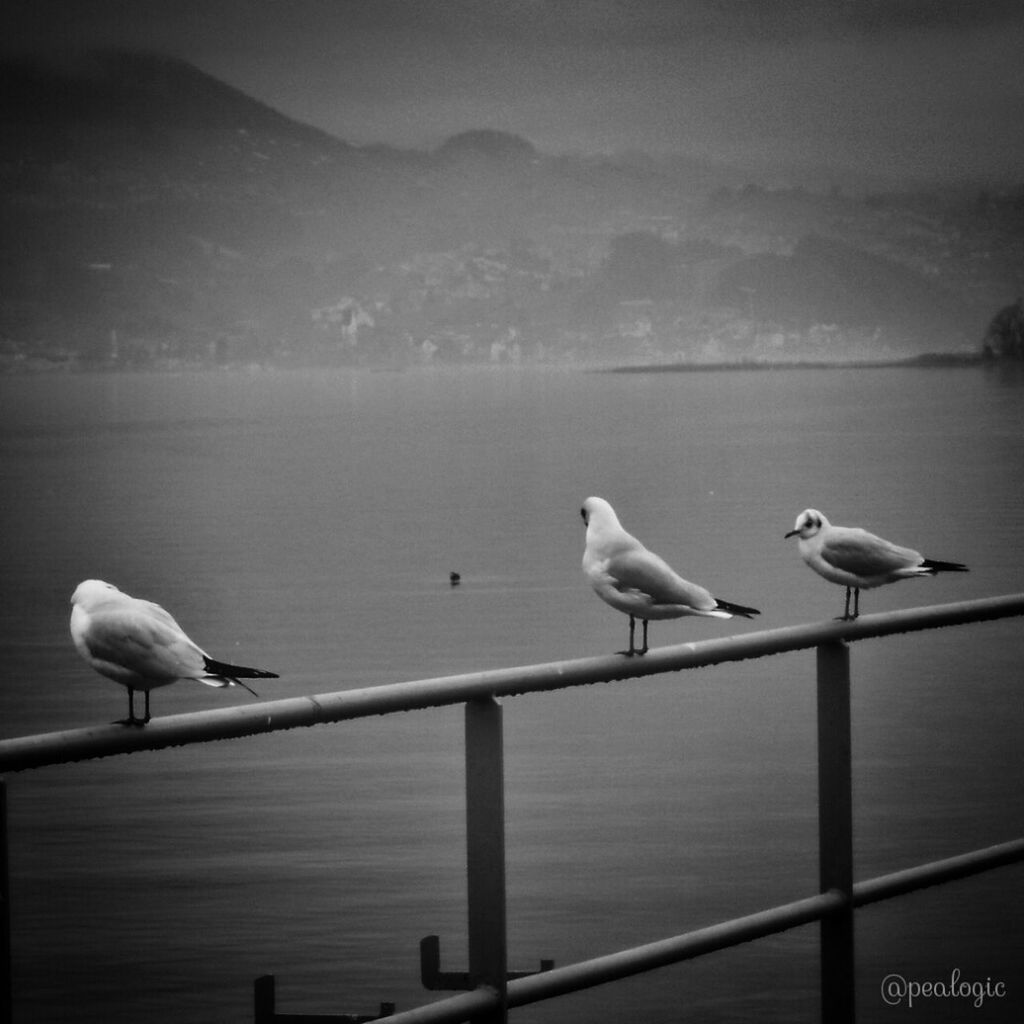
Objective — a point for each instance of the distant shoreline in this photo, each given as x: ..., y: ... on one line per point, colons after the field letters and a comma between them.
x: 926, y: 360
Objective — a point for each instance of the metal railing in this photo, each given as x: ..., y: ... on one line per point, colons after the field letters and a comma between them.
x: 490, y: 990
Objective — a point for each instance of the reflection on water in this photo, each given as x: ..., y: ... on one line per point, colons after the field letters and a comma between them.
x: 308, y: 522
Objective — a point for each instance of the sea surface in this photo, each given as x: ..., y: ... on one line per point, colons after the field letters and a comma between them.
x: 307, y: 521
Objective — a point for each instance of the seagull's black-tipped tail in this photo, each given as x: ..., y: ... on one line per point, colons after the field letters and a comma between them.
x: 232, y: 673
x: 932, y: 567
x: 736, y: 609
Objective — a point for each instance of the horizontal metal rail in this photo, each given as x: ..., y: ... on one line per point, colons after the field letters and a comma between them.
x: 625, y: 963
x: 37, y: 751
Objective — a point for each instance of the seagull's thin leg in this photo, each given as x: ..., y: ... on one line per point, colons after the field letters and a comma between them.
x: 632, y: 649
x: 643, y: 650
x: 132, y: 719
x: 845, y: 617
x: 856, y: 602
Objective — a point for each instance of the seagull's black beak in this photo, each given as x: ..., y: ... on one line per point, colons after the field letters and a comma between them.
x: 792, y: 533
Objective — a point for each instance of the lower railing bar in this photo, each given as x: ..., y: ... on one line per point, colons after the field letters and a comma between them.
x: 573, y: 977
x: 885, y: 887
x: 588, y: 973
x: 611, y: 967
x: 295, y: 712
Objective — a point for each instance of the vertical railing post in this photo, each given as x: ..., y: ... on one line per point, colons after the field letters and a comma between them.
x: 485, y: 852
x: 264, y: 999
x: 6, y: 997
x: 835, y: 831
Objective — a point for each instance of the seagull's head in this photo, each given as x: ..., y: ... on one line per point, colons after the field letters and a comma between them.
x: 598, y: 512
x: 808, y: 523
x: 91, y: 592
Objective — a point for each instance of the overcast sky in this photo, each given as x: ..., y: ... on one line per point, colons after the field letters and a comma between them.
x: 932, y: 87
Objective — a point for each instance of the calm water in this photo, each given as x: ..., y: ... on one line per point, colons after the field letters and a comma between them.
x: 307, y: 522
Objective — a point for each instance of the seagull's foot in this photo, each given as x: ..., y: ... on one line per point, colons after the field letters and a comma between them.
x: 130, y: 721
x: 845, y: 618
x: 634, y: 652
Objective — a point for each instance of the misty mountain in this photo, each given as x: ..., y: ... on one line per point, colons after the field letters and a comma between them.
x: 150, y: 212
x: 132, y: 95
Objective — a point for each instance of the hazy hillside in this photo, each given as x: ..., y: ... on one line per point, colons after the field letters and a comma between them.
x: 151, y: 214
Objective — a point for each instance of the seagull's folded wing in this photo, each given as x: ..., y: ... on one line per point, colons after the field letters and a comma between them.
x: 140, y: 643
x: 863, y: 554
x: 643, y: 571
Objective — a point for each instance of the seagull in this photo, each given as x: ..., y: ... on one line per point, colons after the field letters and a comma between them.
x: 858, y: 560
x: 636, y: 581
x: 139, y: 645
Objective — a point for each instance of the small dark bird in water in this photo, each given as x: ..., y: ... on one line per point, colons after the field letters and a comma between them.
x: 454, y: 579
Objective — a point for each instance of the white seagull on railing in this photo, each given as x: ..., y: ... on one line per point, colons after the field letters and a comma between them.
x: 636, y: 581
x: 859, y: 560
x: 139, y: 645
